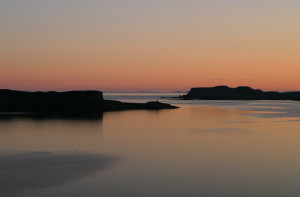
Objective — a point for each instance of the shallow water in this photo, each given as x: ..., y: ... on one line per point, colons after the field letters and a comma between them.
x: 204, y: 148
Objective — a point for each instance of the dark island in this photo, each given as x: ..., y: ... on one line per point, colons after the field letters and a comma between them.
x: 67, y: 102
x: 239, y: 93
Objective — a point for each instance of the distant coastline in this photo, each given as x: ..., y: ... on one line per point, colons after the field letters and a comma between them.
x: 144, y: 92
x: 239, y: 93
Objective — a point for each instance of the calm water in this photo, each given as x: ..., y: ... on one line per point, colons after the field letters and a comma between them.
x: 204, y: 148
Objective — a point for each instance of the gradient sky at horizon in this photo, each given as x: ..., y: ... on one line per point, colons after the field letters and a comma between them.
x: 159, y: 45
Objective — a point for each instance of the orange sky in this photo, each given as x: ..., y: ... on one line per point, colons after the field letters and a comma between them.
x: 135, y: 45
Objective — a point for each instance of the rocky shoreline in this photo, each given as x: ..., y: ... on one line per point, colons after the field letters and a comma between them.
x: 79, y: 102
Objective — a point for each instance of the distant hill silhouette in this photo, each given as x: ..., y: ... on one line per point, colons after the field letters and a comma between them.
x: 239, y: 93
x: 71, y: 102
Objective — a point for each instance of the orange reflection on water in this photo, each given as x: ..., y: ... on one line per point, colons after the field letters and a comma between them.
x: 193, y: 148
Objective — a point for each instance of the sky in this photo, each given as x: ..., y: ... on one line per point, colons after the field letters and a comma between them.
x: 157, y: 45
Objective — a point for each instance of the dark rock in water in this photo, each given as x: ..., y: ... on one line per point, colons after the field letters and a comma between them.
x: 239, y: 93
x: 71, y: 102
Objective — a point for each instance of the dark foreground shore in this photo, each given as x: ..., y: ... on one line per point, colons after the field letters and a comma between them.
x: 81, y: 102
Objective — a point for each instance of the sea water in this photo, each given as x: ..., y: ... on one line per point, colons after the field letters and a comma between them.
x: 203, y: 148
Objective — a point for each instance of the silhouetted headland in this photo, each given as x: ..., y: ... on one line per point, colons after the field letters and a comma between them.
x: 67, y: 102
x: 239, y: 93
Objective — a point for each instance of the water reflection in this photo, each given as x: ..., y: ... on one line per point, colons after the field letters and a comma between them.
x: 224, y: 129
x: 51, y: 132
x: 196, y: 150
x: 36, y: 170
x: 262, y: 109
x: 52, y: 116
